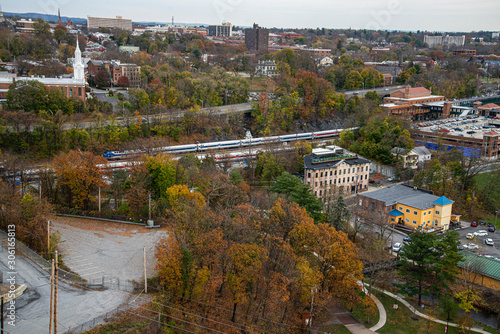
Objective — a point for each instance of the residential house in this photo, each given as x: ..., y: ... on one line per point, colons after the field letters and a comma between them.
x: 333, y: 169
x: 407, y: 157
x: 413, y: 207
x: 423, y: 154
x: 325, y: 61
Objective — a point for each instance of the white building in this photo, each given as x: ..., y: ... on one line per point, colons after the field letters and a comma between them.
x: 266, y: 68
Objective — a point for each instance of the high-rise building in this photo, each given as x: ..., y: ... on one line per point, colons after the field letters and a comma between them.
x: 447, y: 40
x: 224, y: 30
x: 256, y: 38
x: 104, y: 22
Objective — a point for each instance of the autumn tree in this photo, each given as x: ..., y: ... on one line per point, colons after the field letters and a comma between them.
x: 79, y: 177
x: 123, y: 81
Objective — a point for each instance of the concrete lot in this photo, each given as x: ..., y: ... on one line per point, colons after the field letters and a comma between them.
x: 94, y: 248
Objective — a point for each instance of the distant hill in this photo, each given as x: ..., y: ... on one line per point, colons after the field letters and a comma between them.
x: 47, y: 17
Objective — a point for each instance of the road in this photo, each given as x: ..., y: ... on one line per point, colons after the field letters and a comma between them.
x: 75, y: 306
x: 380, y: 91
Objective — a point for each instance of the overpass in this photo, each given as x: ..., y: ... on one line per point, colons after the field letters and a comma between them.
x: 470, y: 101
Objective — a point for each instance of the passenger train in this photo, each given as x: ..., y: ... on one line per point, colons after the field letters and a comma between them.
x: 200, y: 147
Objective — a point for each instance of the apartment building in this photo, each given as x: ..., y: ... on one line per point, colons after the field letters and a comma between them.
x: 333, y: 169
x: 115, y: 69
x: 224, y: 30
x: 104, y: 22
x: 257, y: 39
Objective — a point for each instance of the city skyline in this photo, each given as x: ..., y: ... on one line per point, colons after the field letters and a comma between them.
x: 460, y: 16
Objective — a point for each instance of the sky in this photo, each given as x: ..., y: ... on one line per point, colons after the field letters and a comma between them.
x: 429, y: 15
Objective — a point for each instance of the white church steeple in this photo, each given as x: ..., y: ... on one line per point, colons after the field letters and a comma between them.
x: 78, y: 67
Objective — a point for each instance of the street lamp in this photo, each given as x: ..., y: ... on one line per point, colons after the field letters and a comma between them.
x: 447, y: 321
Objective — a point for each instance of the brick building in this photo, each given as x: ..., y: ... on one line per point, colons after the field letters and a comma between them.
x: 318, y: 53
x: 331, y: 169
x: 115, y: 70
x: 257, y: 39
x: 410, y: 103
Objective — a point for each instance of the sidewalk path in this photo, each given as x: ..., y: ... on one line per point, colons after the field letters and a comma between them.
x: 425, y: 316
x: 346, y: 318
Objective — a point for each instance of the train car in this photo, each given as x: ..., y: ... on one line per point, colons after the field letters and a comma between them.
x: 327, y: 133
x: 219, y: 145
x: 180, y: 148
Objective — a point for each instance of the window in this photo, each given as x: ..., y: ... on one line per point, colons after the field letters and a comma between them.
x: 414, y: 222
x: 407, y: 220
x: 315, y: 184
x: 320, y: 183
x: 428, y: 222
x: 365, y: 186
x: 309, y: 174
x: 335, y: 172
x: 320, y: 193
x: 344, y: 170
x: 415, y: 213
x: 321, y: 174
x: 437, y: 212
x: 79, y: 91
x: 331, y: 173
x: 400, y: 208
x: 343, y: 180
x: 348, y: 179
x: 430, y: 212
x: 425, y: 213
x: 335, y: 181
x: 373, y: 206
x: 407, y: 210
x: 358, y: 169
x: 366, y: 177
x: 316, y: 174
x: 330, y: 181
x: 392, y: 219
x: 71, y: 92
x: 360, y: 202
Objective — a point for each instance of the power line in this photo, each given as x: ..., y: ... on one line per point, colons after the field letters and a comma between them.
x: 160, y: 322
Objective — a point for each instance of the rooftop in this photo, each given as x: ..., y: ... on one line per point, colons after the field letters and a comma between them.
x: 482, y: 265
x: 416, y: 90
x: 401, y: 194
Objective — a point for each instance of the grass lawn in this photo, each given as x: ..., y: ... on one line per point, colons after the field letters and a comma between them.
x: 403, y: 321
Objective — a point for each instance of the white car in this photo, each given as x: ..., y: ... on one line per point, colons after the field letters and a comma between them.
x: 397, y: 247
x: 471, y: 246
x: 489, y: 242
x: 469, y: 236
x: 481, y: 233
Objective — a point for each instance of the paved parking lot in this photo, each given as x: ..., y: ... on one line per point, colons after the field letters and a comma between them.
x: 483, y: 249
x: 468, y: 126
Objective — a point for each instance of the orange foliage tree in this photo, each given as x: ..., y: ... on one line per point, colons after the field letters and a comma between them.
x: 79, y: 177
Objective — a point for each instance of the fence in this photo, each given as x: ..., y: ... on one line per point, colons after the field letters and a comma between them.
x: 102, y: 282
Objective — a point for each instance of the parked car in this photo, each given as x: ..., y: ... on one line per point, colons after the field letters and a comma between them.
x: 397, y: 247
x: 473, y: 224
x: 489, y: 242
x: 469, y: 236
x: 481, y: 233
x: 482, y: 222
x: 407, y: 239
x: 471, y: 246
x: 491, y: 229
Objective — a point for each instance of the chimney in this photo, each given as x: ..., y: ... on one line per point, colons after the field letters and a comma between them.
x: 407, y: 92
x: 446, y: 110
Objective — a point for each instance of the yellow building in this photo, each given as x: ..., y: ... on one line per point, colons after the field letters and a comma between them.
x: 480, y: 270
x: 411, y: 206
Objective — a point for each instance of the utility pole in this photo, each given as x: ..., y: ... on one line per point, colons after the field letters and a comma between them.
x: 312, y: 305
x: 48, y: 238
x: 55, y: 295
x: 51, y: 298
x: 1, y: 320
x: 149, y: 206
x: 145, y: 273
